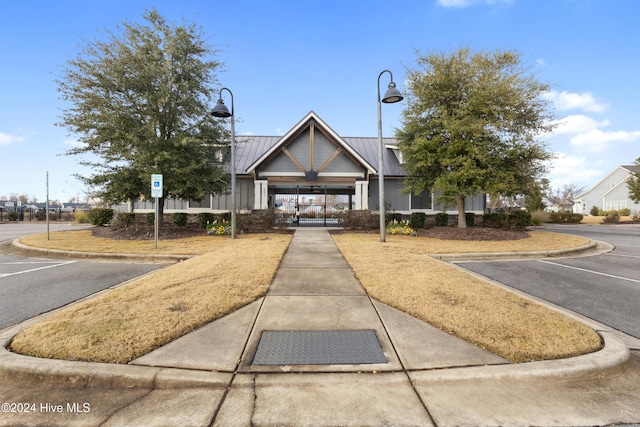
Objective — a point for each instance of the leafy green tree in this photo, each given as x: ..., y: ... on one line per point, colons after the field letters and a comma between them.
x: 139, y: 102
x: 471, y: 124
x: 633, y: 184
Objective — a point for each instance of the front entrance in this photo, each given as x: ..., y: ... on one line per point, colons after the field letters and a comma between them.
x: 311, y: 206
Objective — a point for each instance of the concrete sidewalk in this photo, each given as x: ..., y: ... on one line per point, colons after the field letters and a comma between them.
x: 209, y: 377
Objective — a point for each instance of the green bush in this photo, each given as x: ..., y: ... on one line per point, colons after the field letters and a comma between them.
x: 13, y: 216
x: 100, y: 216
x: 442, y: 219
x: 520, y: 219
x: 417, y: 220
x: 179, y: 219
x: 624, y: 212
x: 151, y: 218
x: 470, y: 218
x: 565, y: 218
x: 392, y: 216
x: 205, y: 218
x: 41, y: 215
x: 594, y: 211
x: 515, y: 220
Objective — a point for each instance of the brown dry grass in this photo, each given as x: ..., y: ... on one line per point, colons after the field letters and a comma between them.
x: 134, y: 319
x: 399, y: 273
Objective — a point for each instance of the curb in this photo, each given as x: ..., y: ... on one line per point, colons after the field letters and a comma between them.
x: 31, y: 250
x: 474, y: 256
x: 87, y: 374
x: 613, y: 356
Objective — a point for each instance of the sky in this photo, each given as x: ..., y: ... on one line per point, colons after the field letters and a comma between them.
x: 284, y: 58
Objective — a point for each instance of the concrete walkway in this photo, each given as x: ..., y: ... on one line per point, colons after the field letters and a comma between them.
x: 209, y: 377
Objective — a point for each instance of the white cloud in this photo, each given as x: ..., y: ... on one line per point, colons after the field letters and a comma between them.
x: 577, y: 123
x: 597, y: 140
x: 576, y: 101
x: 567, y: 169
x: 6, y: 138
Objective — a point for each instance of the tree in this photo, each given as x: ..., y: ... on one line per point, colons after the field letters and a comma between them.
x: 633, y: 184
x: 139, y: 101
x: 564, y: 196
x: 471, y: 124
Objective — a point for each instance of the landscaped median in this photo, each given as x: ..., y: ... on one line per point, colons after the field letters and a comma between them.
x: 224, y: 275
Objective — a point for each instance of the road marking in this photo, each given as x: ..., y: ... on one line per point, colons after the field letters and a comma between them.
x: 591, y: 271
x: 36, y: 269
x: 626, y: 256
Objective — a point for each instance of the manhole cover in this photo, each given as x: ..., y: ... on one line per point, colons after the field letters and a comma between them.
x: 319, y: 348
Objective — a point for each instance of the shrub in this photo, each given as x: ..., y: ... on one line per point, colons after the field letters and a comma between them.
x: 594, y: 211
x: 494, y: 220
x: 151, y: 218
x: 100, y: 216
x: 392, y: 216
x: 624, y: 212
x: 611, y: 218
x: 539, y: 217
x: 417, y: 220
x: 81, y: 217
x: 565, y: 217
x: 470, y: 218
x: 124, y: 219
x: 13, y: 216
x: 41, y: 215
x: 360, y: 220
x: 442, y: 219
x: 205, y: 218
x: 179, y: 219
x: 520, y: 219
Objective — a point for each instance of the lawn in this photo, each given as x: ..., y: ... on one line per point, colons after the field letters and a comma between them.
x: 134, y: 319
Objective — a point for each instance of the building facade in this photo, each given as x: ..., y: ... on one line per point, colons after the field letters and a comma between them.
x: 312, y: 167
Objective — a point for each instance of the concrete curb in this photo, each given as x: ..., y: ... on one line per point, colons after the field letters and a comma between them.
x: 614, y: 355
x: 592, y: 245
x: 34, y: 251
x: 86, y: 374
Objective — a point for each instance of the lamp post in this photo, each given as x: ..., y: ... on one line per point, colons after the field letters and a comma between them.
x: 390, y: 96
x: 221, y: 110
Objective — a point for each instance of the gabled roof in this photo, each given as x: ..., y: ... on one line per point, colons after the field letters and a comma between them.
x: 629, y: 169
x: 311, y: 116
x: 252, y: 150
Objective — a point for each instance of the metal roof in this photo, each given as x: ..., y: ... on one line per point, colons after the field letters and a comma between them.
x: 249, y: 148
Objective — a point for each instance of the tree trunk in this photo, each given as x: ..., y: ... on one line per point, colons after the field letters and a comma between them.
x: 462, y: 219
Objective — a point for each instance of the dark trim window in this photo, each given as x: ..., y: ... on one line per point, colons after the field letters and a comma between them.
x: 421, y: 201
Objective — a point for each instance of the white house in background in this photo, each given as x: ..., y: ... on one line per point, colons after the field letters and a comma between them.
x: 609, y: 194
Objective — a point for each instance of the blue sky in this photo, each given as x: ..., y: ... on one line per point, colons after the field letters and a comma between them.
x: 285, y: 58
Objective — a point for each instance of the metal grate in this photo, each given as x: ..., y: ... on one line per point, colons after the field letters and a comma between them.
x: 319, y: 348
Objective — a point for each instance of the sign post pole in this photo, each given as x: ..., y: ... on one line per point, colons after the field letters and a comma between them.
x: 156, y: 193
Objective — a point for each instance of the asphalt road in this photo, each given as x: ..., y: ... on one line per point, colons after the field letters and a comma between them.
x: 32, y: 286
x: 605, y: 287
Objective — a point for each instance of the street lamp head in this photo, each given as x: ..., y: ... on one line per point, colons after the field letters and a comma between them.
x: 392, y: 94
x: 220, y: 110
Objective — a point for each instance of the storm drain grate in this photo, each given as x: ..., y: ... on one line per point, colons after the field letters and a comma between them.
x: 319, y: 348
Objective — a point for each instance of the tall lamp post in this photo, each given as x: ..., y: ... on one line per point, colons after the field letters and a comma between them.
x: 221, y: 110
x: 390, y: 96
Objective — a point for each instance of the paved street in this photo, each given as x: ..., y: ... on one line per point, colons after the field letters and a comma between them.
x: 605, y: 287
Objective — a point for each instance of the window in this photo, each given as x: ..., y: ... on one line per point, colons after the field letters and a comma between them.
x: 421, y: 201
x: 615, y: 205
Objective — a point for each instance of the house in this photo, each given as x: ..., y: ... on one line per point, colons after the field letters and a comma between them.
x: 310, y: 167
x: 609, y: 194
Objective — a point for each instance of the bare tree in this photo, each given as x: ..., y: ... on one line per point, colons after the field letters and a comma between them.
x: 564, y: 196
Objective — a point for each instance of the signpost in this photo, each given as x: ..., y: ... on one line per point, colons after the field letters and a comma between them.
x: 156, y: 193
